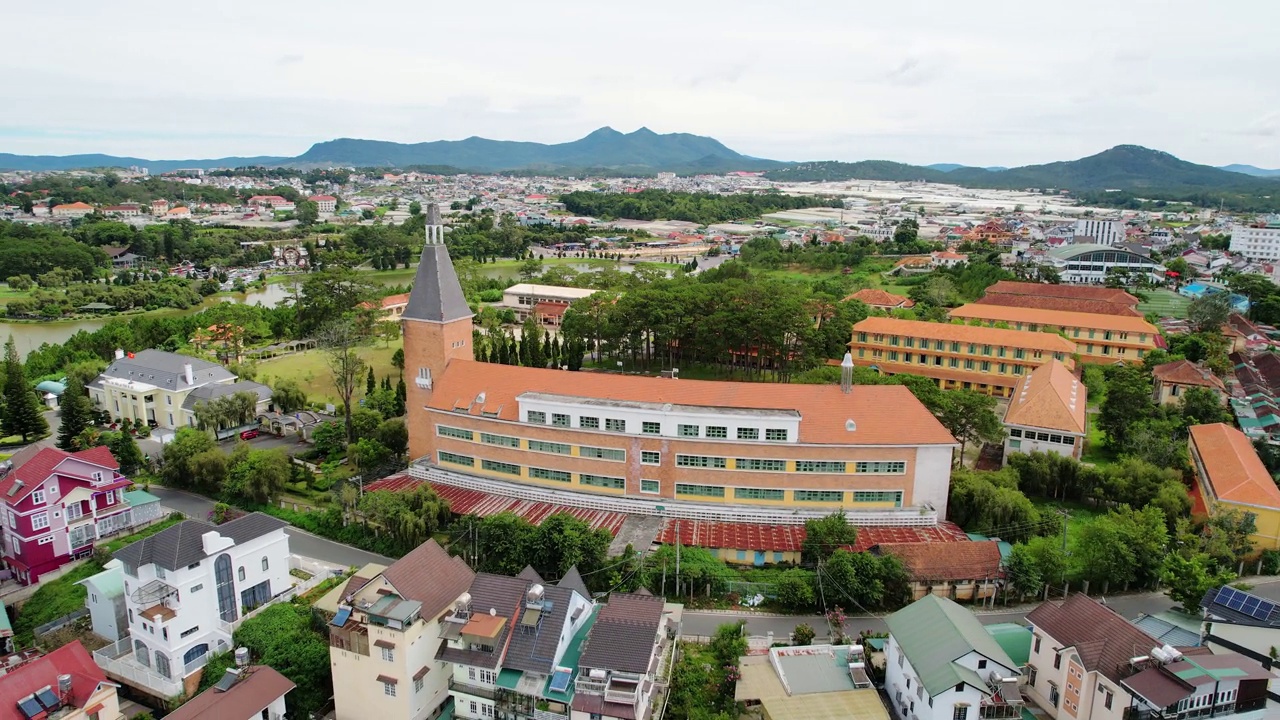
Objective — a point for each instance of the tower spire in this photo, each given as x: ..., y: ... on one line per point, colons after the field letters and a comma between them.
x: 435, y: 226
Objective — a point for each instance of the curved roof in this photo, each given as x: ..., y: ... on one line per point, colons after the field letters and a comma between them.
x: 1067, y: 252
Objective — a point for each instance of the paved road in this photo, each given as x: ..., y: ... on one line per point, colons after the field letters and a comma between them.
x: 301, y: 542
x: 1130, y: 606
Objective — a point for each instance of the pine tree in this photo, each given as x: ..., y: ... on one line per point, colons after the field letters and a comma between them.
x: 402, y: 395
x: 77, y: 412
x: 125, y: 450
x: 22, y: 415
x: 548, y: 355
x: 370, y: 384
x: 386, y: 382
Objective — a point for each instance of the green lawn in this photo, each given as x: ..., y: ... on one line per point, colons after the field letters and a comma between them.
x: 1165, y: 303
x: 1095, y: 450
x: 309, y: 370
x: 1080, y: 516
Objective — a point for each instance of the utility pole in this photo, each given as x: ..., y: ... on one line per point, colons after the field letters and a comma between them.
x: 1066, y: 516
x: 677, y: 557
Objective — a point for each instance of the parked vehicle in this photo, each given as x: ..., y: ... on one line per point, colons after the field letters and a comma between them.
x: 248, y: 434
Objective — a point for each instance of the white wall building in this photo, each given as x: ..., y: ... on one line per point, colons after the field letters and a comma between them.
x: 186, y: 589
x: 1256, y: 243
x: 104, y: 596
x: 1099, y: 231
x: 940, y: 664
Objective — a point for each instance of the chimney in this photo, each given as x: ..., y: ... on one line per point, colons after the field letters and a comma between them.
x: 189, y: 374
x: 846, y: 373
x: 119, y: 353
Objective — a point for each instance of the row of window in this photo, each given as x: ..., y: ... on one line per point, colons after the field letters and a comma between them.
x: 514, y: 470
x: 883, y: 467
x: 1042, y: 436
x: 554, y: 448
x: 647, y: 427
x: 938, y: 361
x: 954, y: 347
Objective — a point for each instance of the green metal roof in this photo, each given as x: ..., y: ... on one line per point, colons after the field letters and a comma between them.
x: 933, y: 633
x: 508, y: 679
x: 572, y: 653
x: 6, y: 630
x: 1014, y: 639
x: 109, y: 582
x: 139, y: 497
x: 1196, y: 670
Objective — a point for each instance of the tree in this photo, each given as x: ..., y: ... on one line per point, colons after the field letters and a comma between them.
x: 186, y: 444
x: 208, y: 470
x: 370, y: 384
x: 1049, y: 557
x: 307, y: 212
x: 729, y: 643
x: 288, y: 396
x: 1102, y: 555
x: 21, y: 414
x: 77, y: 414
x: 126, y: 452
x: 259, y: 476
x: 971, y: 417
x: 339, y: 340
x: 1202, y: 406
x: 364, y: 423
x: 825, y: 535
x: 794, y: 589
x: 367, y: 454
x: 415, y: 207
x: 409, y: 517
x: 1229, y: 534
x: 530, y: 268
x: 1024, y: 575
x: 1188, y: 579
x: 1128, y: 401
x: 938, y: 291
x: 397, y: 359
x: 394, y: 435
x: 329, y: 439
x: 803, y: 634
x: 1209, y: 312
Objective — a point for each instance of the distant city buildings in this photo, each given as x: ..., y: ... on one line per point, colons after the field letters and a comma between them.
x: 1099, y: 232
x: 1257, y: 242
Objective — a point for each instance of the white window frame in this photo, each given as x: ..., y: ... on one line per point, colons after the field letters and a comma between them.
x: 37, y: 497
x: 40, y: 521
x: 388, y: 654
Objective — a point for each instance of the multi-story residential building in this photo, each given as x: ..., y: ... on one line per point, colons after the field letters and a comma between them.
x: 513, y: 645
x: 1047, y: 413
x: 1256, y: 242
x: 384, y: 637
x: 986, y: 359
x: 620, y: 669
x: 1174, y: 379
x: 1231, y: 476
x: 56, y: 505
x: 640, y: 442
x: 1089, y: 663
x: 186, y: 589
x: 1098, y: 338
x: 547, y: 302
x: 245, y: 692
x: 1091, y: 264
x: 163, y: 388
x: 1099, y: 231
x: 325, y: 204
x: 940, y: 664
x: 64, y: 684
x: 1075, y: 298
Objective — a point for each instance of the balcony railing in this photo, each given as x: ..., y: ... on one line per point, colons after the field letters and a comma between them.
x: 476, y: 690
x: 119, y: 660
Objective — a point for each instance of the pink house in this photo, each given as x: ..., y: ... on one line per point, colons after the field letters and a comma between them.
x: 56, y: 504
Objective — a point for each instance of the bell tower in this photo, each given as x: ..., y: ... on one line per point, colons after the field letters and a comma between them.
x: 436, y: 326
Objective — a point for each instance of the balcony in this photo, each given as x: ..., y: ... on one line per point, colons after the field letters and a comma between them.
x: 479, y: 691
x: 119, y: 659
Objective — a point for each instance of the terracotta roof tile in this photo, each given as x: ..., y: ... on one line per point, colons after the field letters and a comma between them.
x: 1071, y: 292
x: 1050, y: 397
x: 876, y: 297
x: 1233, y: 470
x: 1056, y: 318
x: 924, y: 561
x: 430, y: 576
x: 256, y: 689
x: 1185, y: 372
x: 1099, y: 307
x: 982, y: 335
x: 884, y: 414
x: 1104, y: 640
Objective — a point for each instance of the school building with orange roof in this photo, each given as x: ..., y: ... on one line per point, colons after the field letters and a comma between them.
x: 1231, y: 476
x: 1099, y: 338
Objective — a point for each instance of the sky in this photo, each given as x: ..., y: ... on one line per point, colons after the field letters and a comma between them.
x: 979, y: 82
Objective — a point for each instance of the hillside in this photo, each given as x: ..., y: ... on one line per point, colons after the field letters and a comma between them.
x: 1251, y: 170
x: 9, y: 161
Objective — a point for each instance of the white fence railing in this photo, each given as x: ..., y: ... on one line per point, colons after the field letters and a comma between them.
x: 118, y: 659
x: 889, y: 517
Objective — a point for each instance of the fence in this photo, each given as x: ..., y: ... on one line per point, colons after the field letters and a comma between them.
x: 60, y: 623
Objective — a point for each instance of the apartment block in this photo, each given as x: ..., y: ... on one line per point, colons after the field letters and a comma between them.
x: 1098, y: 338
x: 985, y: 359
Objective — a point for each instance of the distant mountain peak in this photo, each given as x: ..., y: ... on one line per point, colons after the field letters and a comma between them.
x: 604, y: 132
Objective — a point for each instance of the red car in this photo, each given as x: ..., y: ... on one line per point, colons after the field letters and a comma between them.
x: 248, y: 434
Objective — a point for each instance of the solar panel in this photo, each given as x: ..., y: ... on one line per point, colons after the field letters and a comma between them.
x: 1224, y: 594
x: 1250, y: 605
x: 341, y: 618
x: 47, y: 698
x: 1264, y: 610
x: 560, y: 680
x: 30, y: 707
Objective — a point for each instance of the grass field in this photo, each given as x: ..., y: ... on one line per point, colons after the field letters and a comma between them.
x: 1095, y: 450
x: 1079, y: 516
x: 1165, y: 303
x: 309, y: 370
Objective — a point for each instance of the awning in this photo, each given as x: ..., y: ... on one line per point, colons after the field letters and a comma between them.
x: 78, y: 495
x: 387, y: 679
x: 384, y: 644
x: 421, y: 673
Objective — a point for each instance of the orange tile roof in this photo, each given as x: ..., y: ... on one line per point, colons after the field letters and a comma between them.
x: 1050, y: 397
x: 1057, y: 318
x: 1232, y: 468
x: 1051, y: 342
x: 1071, y: 292
x: 925, y: 561
x: 73, y: 206
x: 1185, y: 372
x: 881, y: 298
x: 1044, y: 302
x: 883, y: 414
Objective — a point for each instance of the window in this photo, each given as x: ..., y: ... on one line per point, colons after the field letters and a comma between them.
x: 225, y: 587
x: 758, y: 494
x: 961, y: 712
x: 652, y: 487
x: 37, y: 497
x: 388, y: 654
x: 615, y: 425
x: 190, y: 631
x: 74, y: 511
x: 1106, y: 700
x: 388, y: 688
x: 986, y: 366
x: 1053, y: 695
x: 537, y: 417
x: 651, y: 428
x: 615, y: 483
x: 878, y: 496
x: 587, y: 422
x: 559, y: 420
x: 417, y: 685
x: 264, y: 564
x: 454, y: 458
x: 882, y: 467
x: 444, y: 431
x: 689, y: 430
x: 982, y: 664
x: 1037, y: 643
x: 545, y: 474
x: 748, y: 434
x: 40, y: 521
x: 240, y: 573
x: 503, y: 440
x: 761, y: 464
x: 703, y: 461
x: 501, y: 467
x: 826, y: 496
x: 650, y: 457
x: 818, y: 466
x: 1057, y: 661
x: 775, y: 434
x: 600, y: 453
x: 1031, y: 675
x: 699, y: 490
x: 550, y: 447
x: 717, y: 431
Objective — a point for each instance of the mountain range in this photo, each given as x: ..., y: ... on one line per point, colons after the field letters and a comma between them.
x: 644, y: 152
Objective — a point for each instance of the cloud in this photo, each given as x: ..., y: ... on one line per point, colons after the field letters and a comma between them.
x: 285, y: 60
